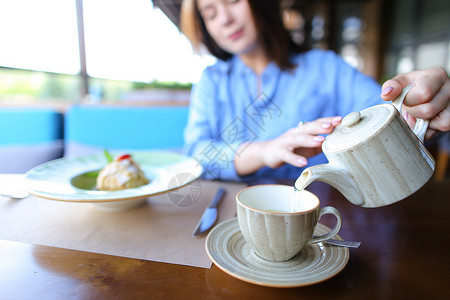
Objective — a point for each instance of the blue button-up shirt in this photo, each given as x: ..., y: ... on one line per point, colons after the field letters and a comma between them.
x: 231, y: 105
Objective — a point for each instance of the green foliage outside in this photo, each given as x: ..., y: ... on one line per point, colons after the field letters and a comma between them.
x: 162, y: 85
x: 25, y: 86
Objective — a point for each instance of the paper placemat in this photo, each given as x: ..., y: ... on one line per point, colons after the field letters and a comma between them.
x: 160, y: 230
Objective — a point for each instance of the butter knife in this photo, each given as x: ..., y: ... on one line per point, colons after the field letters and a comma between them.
x: 209, y: 216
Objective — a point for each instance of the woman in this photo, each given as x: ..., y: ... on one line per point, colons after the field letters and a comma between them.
x: 245, y: 110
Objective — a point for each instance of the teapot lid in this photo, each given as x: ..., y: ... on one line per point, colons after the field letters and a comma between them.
x: 357, y: 127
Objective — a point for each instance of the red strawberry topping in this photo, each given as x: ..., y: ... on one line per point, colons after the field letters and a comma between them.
x: 122, y: 157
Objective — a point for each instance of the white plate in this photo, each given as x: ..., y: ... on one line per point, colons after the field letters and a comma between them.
x: 73, y: 179
x: 229, y: 251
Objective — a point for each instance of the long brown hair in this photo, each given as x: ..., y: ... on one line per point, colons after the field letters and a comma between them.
x: 275, y: 39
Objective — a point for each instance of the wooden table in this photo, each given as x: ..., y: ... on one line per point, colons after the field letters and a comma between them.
x: 404, y: 255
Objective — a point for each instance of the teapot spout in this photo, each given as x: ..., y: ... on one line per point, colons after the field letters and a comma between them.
x: 335, y: 176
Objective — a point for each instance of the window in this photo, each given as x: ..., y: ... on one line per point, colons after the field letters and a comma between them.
x: 125, y: 42
x: 39, y: 35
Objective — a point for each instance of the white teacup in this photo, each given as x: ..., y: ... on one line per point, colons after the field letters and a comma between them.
x: 277, y: 221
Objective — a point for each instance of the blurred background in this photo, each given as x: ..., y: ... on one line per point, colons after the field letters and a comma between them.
x: 61, y: 52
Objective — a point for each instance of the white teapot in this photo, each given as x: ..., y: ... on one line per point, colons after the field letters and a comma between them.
x: 375, y: 159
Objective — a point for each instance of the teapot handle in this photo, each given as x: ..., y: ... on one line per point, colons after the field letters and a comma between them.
x: 421, y: 125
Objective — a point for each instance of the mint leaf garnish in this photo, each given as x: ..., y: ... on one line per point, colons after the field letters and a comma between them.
x: 108, y: 156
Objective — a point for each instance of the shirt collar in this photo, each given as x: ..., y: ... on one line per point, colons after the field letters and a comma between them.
x: 269, y: 79
x: 271, y: 69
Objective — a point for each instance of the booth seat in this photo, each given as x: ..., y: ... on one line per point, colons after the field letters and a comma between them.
x: 29, y: 137
x: 91, y: 129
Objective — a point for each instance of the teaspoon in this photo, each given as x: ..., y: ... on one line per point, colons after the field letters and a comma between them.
x: 17, y: 195
x: 340, y: 243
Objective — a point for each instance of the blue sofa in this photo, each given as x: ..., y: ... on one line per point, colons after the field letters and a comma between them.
x: 29, y: 137
x: 90, y: 129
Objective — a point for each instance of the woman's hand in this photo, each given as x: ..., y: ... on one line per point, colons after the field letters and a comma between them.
x: 292, y: 147
x: 428, y: 98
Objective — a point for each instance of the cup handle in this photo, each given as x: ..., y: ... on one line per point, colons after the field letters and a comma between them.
x: 333, y: 211
x: 421, y: 125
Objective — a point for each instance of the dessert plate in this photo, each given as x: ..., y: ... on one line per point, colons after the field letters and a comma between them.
x: 74, y: 179
x: 229, y: 251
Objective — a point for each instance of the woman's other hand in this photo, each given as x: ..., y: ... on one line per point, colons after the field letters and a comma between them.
x: 292, y: 147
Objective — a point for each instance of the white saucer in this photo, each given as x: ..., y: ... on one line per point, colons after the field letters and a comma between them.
x: 229, y: 251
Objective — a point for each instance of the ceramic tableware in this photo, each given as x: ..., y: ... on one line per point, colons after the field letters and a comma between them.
x: 229, y: 251
x: 375, y: 159
x: 74, y: 179
x: 277, y: 222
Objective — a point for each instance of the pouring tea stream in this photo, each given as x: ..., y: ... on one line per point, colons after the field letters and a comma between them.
x: 375, y: 159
